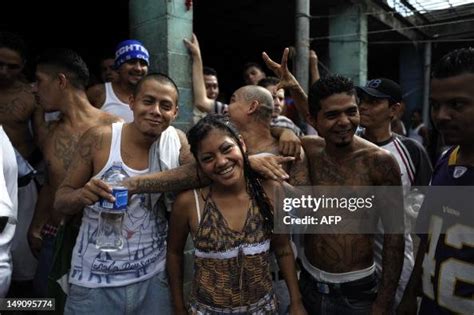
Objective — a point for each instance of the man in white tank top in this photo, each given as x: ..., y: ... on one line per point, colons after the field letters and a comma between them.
x: 134, y: 277
x: 131, y: 63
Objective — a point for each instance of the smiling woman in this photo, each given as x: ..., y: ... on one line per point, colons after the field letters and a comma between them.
x: 231, y: 222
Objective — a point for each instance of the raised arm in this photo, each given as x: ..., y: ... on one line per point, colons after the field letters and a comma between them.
x: 288, y: 81
x: 313, y: 67
x: 201, y: 101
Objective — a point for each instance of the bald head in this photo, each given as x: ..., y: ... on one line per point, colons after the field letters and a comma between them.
x: 264, y: 98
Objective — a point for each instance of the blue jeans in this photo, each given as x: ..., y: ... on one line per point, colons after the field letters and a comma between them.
x: 358, y: 303
x: 283, y: 296
x: 150, y: 296
x: 45, y: 262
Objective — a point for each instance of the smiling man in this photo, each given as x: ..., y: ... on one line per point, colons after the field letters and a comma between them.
x: 131, y: 64
x: 136, y: 280
x: 333, y: 281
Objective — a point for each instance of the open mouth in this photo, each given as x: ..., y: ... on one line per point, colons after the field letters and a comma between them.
x: 226, y: 170
x: 136, y: 76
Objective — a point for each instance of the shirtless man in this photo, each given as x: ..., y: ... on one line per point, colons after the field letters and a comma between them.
x: 338, y: 275
x: 17, y: 103
x: 61, y: 78
x: 131, y: 64
x: 140, y: 265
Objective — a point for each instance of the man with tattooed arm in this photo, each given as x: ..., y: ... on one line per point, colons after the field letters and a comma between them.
x: 132, y: 278
x: 61, y: 78
x: 338, y: 275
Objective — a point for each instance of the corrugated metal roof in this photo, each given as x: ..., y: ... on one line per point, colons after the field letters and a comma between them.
x: 434, y: 10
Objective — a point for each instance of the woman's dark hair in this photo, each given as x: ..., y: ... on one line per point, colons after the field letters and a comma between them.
x: 254, y: 187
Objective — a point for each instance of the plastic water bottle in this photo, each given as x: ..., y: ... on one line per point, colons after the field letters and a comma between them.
x: 109, y: 234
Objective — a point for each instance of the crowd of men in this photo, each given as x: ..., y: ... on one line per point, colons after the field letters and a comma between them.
x: 51, y: 168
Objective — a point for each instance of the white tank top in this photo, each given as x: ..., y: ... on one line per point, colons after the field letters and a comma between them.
x: 144, y: 250
x: 115, y: 106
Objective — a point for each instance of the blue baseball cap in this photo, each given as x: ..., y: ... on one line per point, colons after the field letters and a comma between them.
x: 128, y: 50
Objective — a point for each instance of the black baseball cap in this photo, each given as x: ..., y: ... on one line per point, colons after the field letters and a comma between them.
x: 382, y: 88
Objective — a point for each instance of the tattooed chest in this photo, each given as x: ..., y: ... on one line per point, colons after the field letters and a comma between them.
x: 61, y: 149
x: 328, y: 173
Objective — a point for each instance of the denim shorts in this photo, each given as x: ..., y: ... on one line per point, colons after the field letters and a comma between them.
x: 151, y: 296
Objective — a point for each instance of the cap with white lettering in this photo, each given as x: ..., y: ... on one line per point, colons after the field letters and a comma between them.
x: 128, y: 50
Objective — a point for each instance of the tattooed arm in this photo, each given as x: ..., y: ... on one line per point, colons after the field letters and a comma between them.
x: 78, y: 189
x: 386, y: 173
x: 186, y: 176
x: 298, y: 171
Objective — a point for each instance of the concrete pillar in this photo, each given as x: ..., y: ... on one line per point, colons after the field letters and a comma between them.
x: 426, y: 83
x: 302, y: 43
x: 161, y: 25
x: 348, y: 54
x: 411, y: 79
